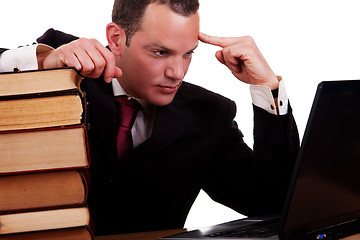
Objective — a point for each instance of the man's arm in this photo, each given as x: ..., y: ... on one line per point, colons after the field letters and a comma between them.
x: 22, y: 58
x: 254, y: 181
x: 88, y: 56
x: 245, y: 61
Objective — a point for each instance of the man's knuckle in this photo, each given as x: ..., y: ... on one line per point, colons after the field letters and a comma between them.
x: 100, y: 63
x: 249, y: 41
x: 88, y: 68
x: 249, y: 38
x: 93, y: 40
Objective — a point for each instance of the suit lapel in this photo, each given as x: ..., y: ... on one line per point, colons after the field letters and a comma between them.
x: 170, y: 122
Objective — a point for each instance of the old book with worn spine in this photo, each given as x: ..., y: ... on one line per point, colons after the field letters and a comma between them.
x: 38, y: 99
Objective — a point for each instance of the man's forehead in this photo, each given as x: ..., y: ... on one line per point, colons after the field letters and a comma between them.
x: 166, y: 30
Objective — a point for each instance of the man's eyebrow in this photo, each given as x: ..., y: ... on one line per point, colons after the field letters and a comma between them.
x: 160, y: 46
x: 194, y: 47
x: 157, y: 45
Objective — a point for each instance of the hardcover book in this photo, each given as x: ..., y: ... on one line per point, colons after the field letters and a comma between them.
x: 38, y: 99
x: 43, y: 156
x: 43, y: 149
x: 42, y: 190
x: 44, y: 220
x: 38, y: 81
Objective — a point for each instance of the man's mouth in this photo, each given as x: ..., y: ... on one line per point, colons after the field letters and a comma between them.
x: 169, y: 88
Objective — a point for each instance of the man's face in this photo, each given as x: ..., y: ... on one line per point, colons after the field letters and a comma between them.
x: 159, y: 55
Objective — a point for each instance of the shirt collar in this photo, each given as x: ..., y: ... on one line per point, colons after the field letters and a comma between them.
x: 118, y: 91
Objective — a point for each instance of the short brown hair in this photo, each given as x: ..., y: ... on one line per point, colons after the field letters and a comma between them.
x: 129, y: 13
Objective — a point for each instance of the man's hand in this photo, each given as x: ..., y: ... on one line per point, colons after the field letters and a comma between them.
x: 88, y: 56
x: 244, y: 59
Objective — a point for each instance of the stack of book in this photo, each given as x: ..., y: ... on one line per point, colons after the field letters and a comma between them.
x: 43, y: 156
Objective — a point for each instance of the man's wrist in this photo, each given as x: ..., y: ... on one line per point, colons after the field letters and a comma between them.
x: 274, y: 83
x: 22, y: 58
x: 42, y: 51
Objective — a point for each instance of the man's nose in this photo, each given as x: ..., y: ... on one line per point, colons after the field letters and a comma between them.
x: 175, y: 69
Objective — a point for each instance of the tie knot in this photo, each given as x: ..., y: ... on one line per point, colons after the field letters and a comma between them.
x: 130, y: 102
x: 128, y: 109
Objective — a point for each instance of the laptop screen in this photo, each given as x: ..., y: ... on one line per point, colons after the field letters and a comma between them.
x: 326, y: 186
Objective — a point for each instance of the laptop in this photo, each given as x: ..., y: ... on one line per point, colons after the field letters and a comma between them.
x: 323, y: 200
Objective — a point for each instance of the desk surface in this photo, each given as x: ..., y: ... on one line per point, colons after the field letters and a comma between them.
x: 157, y: 234
x: 354, y: 237
x: 145, y: 235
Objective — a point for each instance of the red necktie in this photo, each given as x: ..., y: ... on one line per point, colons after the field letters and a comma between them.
x: 128, y: 109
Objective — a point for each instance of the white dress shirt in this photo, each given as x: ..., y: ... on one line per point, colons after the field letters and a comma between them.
x: 22, y: 58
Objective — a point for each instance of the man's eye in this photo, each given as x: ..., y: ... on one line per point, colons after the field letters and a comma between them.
x: 160, y: 52
x: 189, y: 54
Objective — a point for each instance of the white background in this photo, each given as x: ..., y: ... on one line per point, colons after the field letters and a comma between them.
x: 304, y: 41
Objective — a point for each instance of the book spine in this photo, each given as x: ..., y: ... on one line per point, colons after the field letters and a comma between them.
x: 86, y: 178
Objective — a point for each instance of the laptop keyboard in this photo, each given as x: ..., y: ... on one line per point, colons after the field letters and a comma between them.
x: 259, y: 230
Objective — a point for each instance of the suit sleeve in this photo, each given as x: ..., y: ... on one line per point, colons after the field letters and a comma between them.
x: 254, y: 182
x: 55, y: 38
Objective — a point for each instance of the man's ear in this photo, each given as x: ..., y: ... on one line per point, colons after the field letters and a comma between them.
x: 116, y: 38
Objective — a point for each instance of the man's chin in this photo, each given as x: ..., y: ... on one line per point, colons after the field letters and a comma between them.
x: 162, y: 100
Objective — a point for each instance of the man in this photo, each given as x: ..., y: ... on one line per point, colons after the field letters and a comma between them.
x: 185, y: 138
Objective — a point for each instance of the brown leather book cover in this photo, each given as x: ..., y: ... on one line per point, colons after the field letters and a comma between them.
x: 43, y: 190
x: 46, y: 149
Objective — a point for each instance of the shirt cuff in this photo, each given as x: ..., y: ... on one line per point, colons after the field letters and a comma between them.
x: 263, y: 98
x: 22, y: 58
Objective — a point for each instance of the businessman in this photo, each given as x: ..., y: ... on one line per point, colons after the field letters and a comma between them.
x: 184, y: 137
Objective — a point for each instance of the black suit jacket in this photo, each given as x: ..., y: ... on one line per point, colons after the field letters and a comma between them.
x: 195, y: 145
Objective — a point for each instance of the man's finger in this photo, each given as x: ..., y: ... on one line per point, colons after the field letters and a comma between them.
x: 218, y: 41
x: 109, y: 66
x: 118, y: 72
x: 220, y: 57
x: 70, y: 60
x: 111, y: 70
x: 86, y: 61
